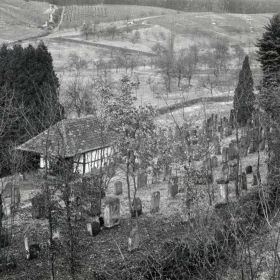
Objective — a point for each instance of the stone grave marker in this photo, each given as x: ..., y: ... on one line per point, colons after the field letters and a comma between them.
x: 39, y: 210
x: 111, y: 211
x: 155, y: 201
x: 118, y: 188
x: 134, y: 239
x: 249, y: 169
x: 173, y: 187
x: 32, y: 251
x: 233, y: 167
x: 233, y: 151
x: 215, y: 162
x: 225, y: 154
x: 244, y: 181
x: 93, y: 226
x: 136, y: 207
x: 142, y: 180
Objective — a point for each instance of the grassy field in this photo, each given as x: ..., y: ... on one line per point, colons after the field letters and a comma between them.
x: 75, y: 16
x: 236, y: 28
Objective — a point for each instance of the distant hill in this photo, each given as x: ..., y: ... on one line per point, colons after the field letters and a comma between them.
x: 20, y: 19
x: 229, y: 6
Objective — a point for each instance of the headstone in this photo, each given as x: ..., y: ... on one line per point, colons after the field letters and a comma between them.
x: 155, y: 200
x: 244, y: 181
x: 249, y: 169
x: 142, y: 180
x: 134, y: 239
x: 136, y: 207
x: 111, y: 211
x: 32, y: 251
x: 39, y: 210
x: 255, y: 179
x: 225, y: 171
x: 262, y: 145
x: 93, y: 226
x: 4, y: 238
x: 217, y: 149
x: 215, y: 162
x: 118, y: 188
x: 233, y: 167
x: 173, y: 186
x: 224, y: 192
x: 225, y: 154
x: 233, y: 151
x: 244, y: 146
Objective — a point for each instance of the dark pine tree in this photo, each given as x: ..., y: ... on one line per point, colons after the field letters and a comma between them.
x: 269, y: 57
x: 244, y: 97
x: 29, y: 85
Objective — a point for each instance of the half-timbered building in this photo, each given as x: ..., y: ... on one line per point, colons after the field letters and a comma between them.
x: 79, y: 141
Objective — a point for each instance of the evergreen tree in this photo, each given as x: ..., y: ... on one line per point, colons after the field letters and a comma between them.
x: 269, y: 51
x: 29, y: 83
x: 244, y: 94
x: 269, y: 57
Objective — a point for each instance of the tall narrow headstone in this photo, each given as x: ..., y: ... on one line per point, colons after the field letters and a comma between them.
x: 118, y: 188
x: 225, y: 154
x: 244, y: 181
x: 155, y: 200
x: 134, y: 239
x: 111, y: 212
x: 142, y: 180
x: 136, y: 207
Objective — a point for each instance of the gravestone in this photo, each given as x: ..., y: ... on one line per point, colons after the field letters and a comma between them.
x: 4, y: 238
x: 244, y: 145
x: 111, y: 211
x: 217, y: 149
x: 244, y: 181
x: 39, y: 210
x: 155, y: 200
x: 253, y: 147
x: 225, y: 154
x: 215, y: 162
x: 233, y: 167
x: 233, y: 151
x: 134, y: 239
x: 93, y: 226
x: 262, y: 145
x: 136, y: 207
x: 173, y: 186
x: 249, y: 169
x: 142, y: 180
x: 225, y: 171
x: 224, y: 192
x: 255, y: 179
x: 118, y: 188
x: 32, y: 251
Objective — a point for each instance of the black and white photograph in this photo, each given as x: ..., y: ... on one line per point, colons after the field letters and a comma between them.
x: 140, y: 139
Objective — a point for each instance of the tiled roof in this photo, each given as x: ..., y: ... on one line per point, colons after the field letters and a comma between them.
x: 67, y: 138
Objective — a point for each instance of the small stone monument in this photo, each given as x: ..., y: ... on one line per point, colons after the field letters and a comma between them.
x: 215, y: 162
x: 233, y: 167
x: 244, y: 181
x: 155, y: 200
x: 93, y: 226
x: 249, y: 169
x: 39, y: 210
x: 134, y: 239
x: 111, y: 211
x: 136, y: 207
x: 173, y: 186
x: 142, y: 180
x: 118, y: 188
x: 225, y: 154
x: 32, y: 251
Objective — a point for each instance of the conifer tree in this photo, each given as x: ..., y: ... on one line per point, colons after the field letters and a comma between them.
x: 244, y: 94
x: 269, y: 57
x: 28, y: 79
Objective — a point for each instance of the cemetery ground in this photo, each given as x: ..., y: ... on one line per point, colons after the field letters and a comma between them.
x: 107, y: 253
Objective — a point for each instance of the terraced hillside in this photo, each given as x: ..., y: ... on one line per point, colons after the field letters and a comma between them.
x: 76, y: 15
x: 20, y: 19
x: 236, y: 28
